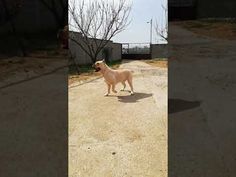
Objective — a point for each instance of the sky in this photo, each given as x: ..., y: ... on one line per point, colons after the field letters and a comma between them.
x: 139, y: 30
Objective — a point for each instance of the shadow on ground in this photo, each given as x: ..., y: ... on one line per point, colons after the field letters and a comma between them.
x: 134, y: 98
x: 178, y: 105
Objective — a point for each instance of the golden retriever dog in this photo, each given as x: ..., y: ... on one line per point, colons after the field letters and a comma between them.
x: 112, y: 77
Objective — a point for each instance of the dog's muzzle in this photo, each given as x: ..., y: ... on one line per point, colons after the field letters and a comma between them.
x: 96, y: 68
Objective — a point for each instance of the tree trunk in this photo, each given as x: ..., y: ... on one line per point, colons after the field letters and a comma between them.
x: 60, y: 14
x: 94, y: 59
x: 13, y: 30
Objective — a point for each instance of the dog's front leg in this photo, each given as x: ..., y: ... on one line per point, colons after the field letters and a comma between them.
x: 108, y: 89
x: 124, y: 85
x: 113, y: 88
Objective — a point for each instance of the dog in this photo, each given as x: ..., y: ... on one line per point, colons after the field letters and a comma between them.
x: 112, y: 77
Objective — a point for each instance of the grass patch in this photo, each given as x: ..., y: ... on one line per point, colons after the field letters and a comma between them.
x: 212, y: 28
x: 85, y: 68
x: 87, y: 71
x: 158, y: 62
x: 114, y: 64
x: 34, y: 44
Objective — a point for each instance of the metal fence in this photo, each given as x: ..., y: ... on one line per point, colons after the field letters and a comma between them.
x: 136, y: 48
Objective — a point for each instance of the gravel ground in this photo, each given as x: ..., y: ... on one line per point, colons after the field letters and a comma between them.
x: 120, y: 135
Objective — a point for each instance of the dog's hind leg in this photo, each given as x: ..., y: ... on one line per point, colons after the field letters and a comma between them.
x: 123, y: 83
x: 113, y: 88
x: 108, y: 90
x: 131, y: 85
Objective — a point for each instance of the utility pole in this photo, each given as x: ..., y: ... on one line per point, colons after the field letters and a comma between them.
x: 150, y: 31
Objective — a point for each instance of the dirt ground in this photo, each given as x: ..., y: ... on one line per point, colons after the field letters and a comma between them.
x: 216, y: 29
x: 157, y: 62
x: 91, y: 74
x: 20, y: 69
x: 82, y: 77
x: 87, y: 73
x: 202, y: 100
x: 122, y: 134
x: 33, y: 115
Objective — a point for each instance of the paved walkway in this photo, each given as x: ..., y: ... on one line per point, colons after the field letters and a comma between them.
x: 120, y: 135
x: 202, y: 80
x: 33, y: 131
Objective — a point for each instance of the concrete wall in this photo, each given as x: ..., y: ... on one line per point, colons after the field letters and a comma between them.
x: 181, y: 10
x: 216, y: 9
x: 112, y: 51
x: 116, y: 51
x: 33, y: 17
x: 159, y: 51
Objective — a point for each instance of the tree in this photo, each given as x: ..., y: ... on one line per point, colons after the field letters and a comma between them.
x: 162, y: 29
x: 97, y: 22
x: 62, y: 36
x: 59, y: 9
x: 9, y: 10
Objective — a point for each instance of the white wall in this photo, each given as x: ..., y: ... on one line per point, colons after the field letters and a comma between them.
x: 159, y: 51
x: 82, y: 58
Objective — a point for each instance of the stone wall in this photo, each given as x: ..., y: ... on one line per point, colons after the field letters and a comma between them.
x: 159, y: 51
x: 216, y: 9
x: 116, y: 51
x: 112, y: 51
x: 197, y: 9
x: 33, y: 17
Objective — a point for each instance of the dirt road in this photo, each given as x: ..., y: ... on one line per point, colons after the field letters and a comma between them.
x: 120, y: 135
x: 33, y: 118
x: 202, y: 124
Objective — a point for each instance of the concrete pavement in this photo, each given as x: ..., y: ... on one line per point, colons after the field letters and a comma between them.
x: 33, y: 124
x: 202, y: 80
x: 120, y: 135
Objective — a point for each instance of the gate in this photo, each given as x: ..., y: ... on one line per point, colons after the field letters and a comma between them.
x: 136, y: 51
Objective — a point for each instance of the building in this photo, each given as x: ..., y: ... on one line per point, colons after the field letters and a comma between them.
x: 182, y: 9
x: 195, y: 9
x: 112, y: 51
x: 34, y: 17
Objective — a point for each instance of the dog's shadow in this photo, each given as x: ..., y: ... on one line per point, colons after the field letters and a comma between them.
x: 133, y: 98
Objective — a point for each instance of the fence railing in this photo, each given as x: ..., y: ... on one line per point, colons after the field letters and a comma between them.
x: 136, y: 48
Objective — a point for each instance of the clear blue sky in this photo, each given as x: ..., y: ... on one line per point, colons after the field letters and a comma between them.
x: 139, y: 30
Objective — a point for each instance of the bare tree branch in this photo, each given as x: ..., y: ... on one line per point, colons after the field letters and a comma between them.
x: 98, y: 22
x: 162, y: 30
x: 59, y: 11
x: 11, y: 9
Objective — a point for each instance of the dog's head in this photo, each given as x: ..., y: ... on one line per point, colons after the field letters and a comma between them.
x: 99, y: 65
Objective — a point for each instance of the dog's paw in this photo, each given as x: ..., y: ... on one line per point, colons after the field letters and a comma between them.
x: 132, y: 93
x: 114, y: 91
x: 106, y: 94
